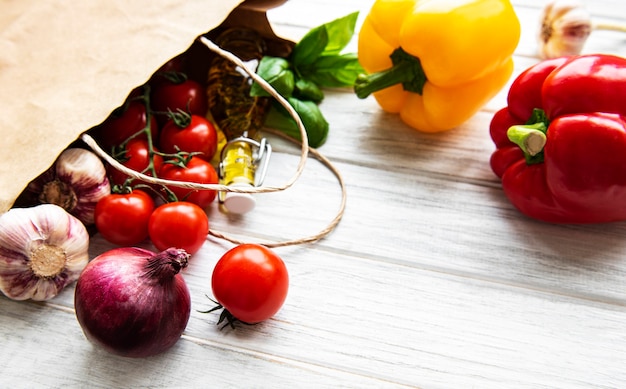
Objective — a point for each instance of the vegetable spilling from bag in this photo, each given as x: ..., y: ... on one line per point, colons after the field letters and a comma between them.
x: 42, y: 250
x: 436, y: 63
x: 561, y: 142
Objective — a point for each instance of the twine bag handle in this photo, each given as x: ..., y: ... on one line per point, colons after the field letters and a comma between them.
x: 305, y: 150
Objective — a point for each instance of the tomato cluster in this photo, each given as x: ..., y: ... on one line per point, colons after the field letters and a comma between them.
x: 126, y: 219
x: 161, y: 130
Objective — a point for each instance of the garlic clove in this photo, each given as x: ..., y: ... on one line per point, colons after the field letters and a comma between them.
x: 565, y: 27
x: 42, y: 250
x: 76, y: 182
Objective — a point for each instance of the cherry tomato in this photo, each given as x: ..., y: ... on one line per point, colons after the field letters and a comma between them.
x: 198, y: 136
x: 173, y: 95
x: 122, y: 219
x: 124, y: 122
x: 178, y: 224
x: 196, y: 170
x: 250, y: 281
x: 174, y: 65
x: 136, y: 157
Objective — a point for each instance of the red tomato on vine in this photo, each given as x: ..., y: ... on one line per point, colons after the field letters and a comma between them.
x: 122, y: 219
x: 124, y: 122
x: 175, y: 92
x: 195, y: 170
x: 178, y: 224
x: 173, y: 65
x: 192, y: 134
x: 134, y: 156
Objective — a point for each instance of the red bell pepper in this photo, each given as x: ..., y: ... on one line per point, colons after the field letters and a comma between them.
x: 561, y: 141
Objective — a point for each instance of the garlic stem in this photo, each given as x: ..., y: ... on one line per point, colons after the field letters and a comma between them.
x: 609, y: 27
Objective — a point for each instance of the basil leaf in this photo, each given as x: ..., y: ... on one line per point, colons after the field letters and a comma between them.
x: 310, y: 47
x: 307, y: 90
x: 276, y: 71
x: 311, y: 116
x: 340, y: 33
x: 334, y: 71
x: 327, y: 39
x: 316, y: 62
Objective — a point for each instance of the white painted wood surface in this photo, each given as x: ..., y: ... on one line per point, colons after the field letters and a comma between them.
x: 432, y: 279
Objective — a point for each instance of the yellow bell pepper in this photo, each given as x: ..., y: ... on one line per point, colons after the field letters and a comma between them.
x: 436, y: 62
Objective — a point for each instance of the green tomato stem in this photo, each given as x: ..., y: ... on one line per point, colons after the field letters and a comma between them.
x: 147, y: 129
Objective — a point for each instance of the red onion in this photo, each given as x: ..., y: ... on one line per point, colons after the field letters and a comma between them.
x: 133, y: 302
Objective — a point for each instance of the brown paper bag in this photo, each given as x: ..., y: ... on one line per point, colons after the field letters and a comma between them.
x: 64, y: 68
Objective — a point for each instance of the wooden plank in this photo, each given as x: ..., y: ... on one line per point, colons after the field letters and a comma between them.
x: 43, y: 347
x: 342, y: 317
x: 437, y: 222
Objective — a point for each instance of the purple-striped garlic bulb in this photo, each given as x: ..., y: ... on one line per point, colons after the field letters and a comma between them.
x: 565, y: 27
x: 42, y: 250
x: 76, y: 182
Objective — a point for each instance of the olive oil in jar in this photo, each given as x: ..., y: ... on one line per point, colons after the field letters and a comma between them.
x: 238, y: 164
x: 238, y: 115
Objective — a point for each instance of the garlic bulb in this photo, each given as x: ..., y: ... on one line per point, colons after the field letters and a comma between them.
x: 42, y: 250
x: 76, y: 182
x: 565, y: 27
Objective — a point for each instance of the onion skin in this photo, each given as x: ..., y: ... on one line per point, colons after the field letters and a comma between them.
x: 134, y: 302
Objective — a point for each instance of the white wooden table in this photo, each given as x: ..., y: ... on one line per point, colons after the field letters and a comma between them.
x: 432, y: 279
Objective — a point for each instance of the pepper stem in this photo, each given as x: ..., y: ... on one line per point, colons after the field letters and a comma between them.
x: 406, y: 70
x: 531, y: 138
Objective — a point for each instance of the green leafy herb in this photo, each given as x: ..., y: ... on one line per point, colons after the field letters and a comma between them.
x: 308, y: 90
x: 276, y: 71
x: 315, y: 62
x: 310, y: 47
x: 335, y: 70
x: 311, y: 116
x: 328, y: 39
